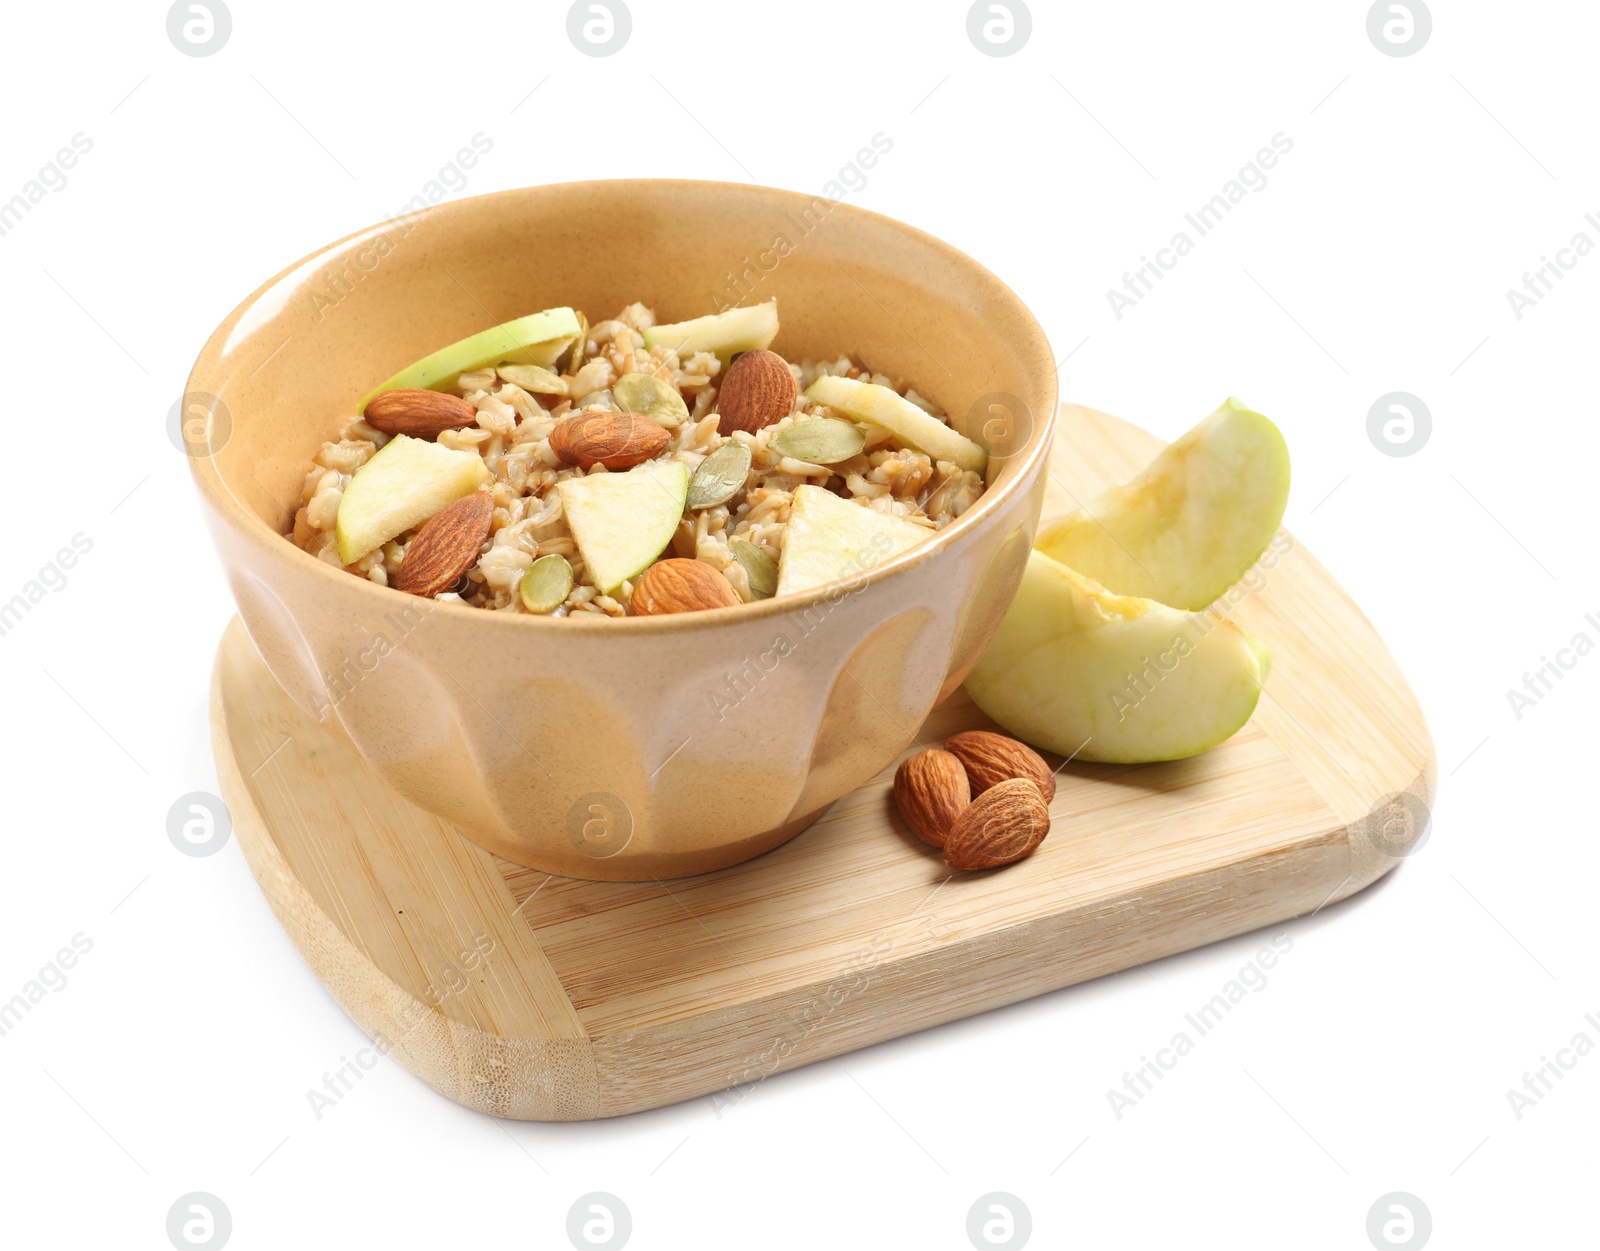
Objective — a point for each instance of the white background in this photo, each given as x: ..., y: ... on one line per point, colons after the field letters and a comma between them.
x: 1378, y: 1057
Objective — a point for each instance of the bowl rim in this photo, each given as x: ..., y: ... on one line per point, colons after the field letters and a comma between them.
x: 250, y: 528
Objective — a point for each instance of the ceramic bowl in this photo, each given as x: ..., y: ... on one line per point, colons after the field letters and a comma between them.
x: 644, y: 747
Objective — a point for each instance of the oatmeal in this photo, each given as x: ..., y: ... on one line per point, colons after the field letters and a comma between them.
x: 606, y: 451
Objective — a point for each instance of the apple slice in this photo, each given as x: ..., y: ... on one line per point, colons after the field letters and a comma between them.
x: 537, y: 339
x: 408, y: 481
x: 1187, y: 528
x: 724, y: 335
x: 623, y: 521
x: 920, y: 431
x: 1080, y: 671
x: 829, y: 538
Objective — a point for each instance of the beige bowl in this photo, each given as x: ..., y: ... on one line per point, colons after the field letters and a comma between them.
x: 645, y: 747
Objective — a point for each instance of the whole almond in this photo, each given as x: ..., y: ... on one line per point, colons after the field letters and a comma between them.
x: 421, y: 414
x: 931, y: 791
x: 993, y: 758
x: 446, y: 546
x: 615, y: 440
x: 757, y: 391
x: 680, y: 585
x: 1000, y: 826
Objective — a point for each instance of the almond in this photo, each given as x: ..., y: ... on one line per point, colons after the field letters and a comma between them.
x: 680, y: 585
x: 421, y: 414
x: 757, y: 391
x: 615, y: 440
x: 993, y: 758
x: 931, y: 790
x: 1000, y: 826
x: 446, y: 546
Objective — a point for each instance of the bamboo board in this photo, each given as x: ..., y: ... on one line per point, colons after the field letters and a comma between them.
x: 541, y: 998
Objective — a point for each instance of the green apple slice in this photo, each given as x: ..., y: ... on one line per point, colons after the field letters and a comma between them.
x: 623, y: 521
x: 537, y: 339
x: 1187, y: 528
x: 408, y: 481
x: 829, y: 538
x: 724, y: 335
x: 1082, y: 672
x: 920, y: 431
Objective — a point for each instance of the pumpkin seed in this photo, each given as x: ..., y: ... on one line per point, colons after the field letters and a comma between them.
x: 820, y: 440
x: 575, y: 357
x: 759, y: 568
x: 534, y: 379
x: 650, y: 397
x: 721, y: 475
x: 547, y: 584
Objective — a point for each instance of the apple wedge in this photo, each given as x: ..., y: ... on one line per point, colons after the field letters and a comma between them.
x: 724, y: 335
x: 408, y: 481
x: 829, y: 538
x: 1083, y: 672
x: 867, y: 401
x: 537, y: 339
x: 1187, y: 528
x: 623, y: 521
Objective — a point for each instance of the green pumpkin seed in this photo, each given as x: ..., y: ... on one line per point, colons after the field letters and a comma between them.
x: 759, y: 568
x: 820, y: 440
x: 534, y: 379
x: 575, y: 355
x: 721, y: 475
x: 650, y: 397
x: 547, y: 584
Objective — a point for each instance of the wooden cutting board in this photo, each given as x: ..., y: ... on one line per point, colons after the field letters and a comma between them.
x: 541, y: 998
